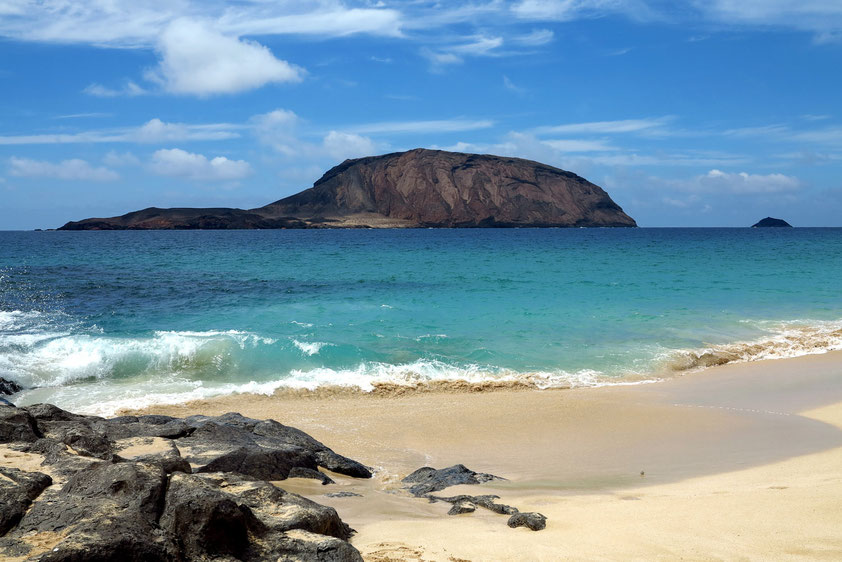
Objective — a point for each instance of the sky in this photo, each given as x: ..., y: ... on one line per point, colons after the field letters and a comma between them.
x: 688, y: 112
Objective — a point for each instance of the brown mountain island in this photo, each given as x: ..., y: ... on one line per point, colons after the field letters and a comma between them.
x: 415, y: 189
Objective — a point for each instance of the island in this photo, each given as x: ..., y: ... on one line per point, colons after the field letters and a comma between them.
x: 771, y: 222
x: 419, y: 188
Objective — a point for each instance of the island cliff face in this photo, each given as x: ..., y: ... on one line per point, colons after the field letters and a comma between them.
x: 418, y: 188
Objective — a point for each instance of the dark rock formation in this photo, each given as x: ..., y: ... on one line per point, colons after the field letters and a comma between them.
x: 427, y: 479
x: 418, y: 188
x: 343, y: 495
x: 770, y: 222
x: 120, y: 489
x: 486, y: 501
x: 532, y: 520
x: 7, y: 387
x: 18, y: 490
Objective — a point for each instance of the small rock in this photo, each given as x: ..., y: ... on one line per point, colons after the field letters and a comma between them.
x: 301, y: 472
x: 343, y: 495
x: 461, y: 507
x: 486, y: 501
x: 532, y: 520
x: 8, y: 387
x: 427, y: 479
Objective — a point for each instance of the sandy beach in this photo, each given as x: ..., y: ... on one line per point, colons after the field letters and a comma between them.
x: 742, y: 461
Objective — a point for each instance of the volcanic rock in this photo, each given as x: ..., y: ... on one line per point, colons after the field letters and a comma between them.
x: 120, y: 489
x: 418, y: 188
x: 427, y: 479
x: 532, y: 520
x: 18, y: 489
x: 8, y: 387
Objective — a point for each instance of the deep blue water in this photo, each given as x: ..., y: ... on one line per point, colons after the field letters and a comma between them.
x: 99, y: 320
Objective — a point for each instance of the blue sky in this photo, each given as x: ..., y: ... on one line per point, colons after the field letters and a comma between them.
x: 688, y: 113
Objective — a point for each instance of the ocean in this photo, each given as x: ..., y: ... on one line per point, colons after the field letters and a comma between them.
x: 99, y: 321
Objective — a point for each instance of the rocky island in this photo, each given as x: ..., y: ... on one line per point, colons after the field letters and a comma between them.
x: 415, y: 189
x: 771, y: 222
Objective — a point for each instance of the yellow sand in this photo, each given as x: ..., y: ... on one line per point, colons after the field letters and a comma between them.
x: 741, y: 462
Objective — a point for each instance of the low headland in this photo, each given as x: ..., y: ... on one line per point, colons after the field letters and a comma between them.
x: 739, y: 461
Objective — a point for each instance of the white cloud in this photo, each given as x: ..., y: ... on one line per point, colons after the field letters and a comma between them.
x: 116, y: 159
x: 822, y: 17
x: 91, y: 115
x: 568, y: 10
x: 432, y: 126
x: 128, y: 23
x: 536, y: 38
x: 73, y: 169
x: 831, y: 136
x: 511, y: 86
x: 157, y: 131
x: 130, y: 89
x: 479, y: 46
x: 439, y: 59
x: 331, y: 19
x: 180, y: 163
x: 347, y: 145
x: 607, y: 127
x: 765, y: 131
x: 153, y: 131
x: 742, y: 183
x: 278, y: 129
x: 578, y: 145
x: 196, y: 59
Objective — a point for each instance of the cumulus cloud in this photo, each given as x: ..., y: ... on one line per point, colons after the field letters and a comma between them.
x: 347, y: 145
x: 198, y: 60
x: 73, y: 169
x: 180, y: 163
x: 278, y: 129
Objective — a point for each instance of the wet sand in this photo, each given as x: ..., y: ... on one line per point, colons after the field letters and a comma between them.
x: 742, y: 461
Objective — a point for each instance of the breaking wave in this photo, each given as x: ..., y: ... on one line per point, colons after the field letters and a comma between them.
x: 82, y: 368
x: 786, y: 339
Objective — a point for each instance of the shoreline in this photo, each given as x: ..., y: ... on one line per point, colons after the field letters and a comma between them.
x: 723, y: 448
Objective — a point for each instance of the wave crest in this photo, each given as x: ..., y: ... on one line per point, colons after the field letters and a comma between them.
x: 789, y: 339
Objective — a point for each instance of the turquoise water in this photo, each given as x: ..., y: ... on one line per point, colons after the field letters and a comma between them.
x: 102, y: 320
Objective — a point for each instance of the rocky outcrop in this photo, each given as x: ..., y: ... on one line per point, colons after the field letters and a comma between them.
x: 531, y: 520
x: 770, y: 222
x: 427, y: 479
x: 161, y: 488
x: 8, y: 387
x: 418, y: 188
